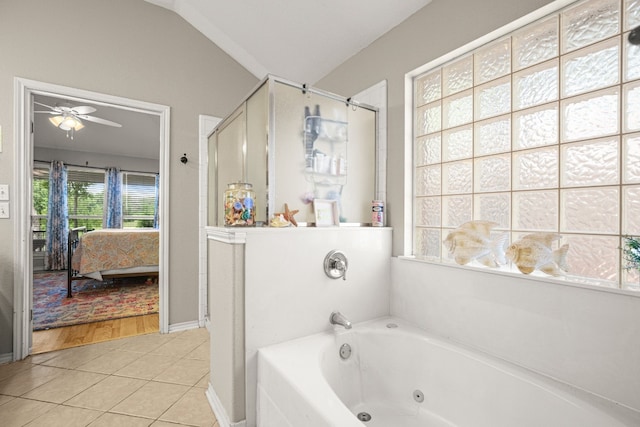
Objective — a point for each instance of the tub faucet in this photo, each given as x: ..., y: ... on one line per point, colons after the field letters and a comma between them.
x: 338, y: 318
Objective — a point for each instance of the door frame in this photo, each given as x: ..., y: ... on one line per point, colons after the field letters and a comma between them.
x: 23, y: 163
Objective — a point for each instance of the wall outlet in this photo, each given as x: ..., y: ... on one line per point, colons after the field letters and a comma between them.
x: 4, y: 191
x: 4, y: 210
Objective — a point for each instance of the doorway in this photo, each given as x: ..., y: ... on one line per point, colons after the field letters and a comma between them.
x: 26, y: 91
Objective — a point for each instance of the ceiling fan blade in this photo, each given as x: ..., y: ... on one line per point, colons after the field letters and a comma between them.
x: 99, y: 120
x: 83, y: 109
x: 56, y: 109
x: 48, y: 112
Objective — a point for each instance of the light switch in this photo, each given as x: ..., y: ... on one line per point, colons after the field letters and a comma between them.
x: 4, y: 191
x: 4, y: 210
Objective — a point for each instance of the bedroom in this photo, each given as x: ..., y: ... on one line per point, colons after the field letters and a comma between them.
x: 127, y: 143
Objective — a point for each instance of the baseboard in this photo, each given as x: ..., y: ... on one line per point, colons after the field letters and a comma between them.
x: 207, y: 324
x: 218, y: 410
x: 184, y: 326
x: 6, y: 358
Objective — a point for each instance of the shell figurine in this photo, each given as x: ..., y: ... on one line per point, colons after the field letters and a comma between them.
x: 473, y: 241
x: 534, y: 252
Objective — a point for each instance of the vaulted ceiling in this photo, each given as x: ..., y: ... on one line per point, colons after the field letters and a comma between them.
x: 299, y: 40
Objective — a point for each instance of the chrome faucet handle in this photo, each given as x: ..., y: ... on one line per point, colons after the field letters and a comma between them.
x: 336, y: 264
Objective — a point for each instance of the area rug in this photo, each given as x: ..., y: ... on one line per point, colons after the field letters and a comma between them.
x: 93, y: 301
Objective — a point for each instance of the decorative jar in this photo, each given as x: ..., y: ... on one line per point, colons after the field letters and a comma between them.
x: 239, y: 205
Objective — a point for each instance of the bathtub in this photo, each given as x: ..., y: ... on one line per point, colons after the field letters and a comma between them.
x: 396, y: 375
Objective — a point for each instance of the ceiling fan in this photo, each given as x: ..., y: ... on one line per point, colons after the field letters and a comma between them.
x: 69, y: 118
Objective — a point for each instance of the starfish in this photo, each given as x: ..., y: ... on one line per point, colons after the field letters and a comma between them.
x: 288, y: 214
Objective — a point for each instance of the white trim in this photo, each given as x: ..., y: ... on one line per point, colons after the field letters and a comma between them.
x: 218, y: 410
x: 23, y: 160
x: 184, y: 326
x: 6, y: 358
x: 206, y: 125
x: 226, y: 236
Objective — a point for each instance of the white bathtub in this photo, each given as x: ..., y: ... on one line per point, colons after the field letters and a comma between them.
x: 305, y: 383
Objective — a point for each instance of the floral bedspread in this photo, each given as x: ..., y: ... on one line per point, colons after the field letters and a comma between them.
x: 113, y: 249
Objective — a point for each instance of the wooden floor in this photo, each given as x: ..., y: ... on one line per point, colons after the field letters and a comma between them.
x: 89, y: 333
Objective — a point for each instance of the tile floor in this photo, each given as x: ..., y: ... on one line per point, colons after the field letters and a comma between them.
x: 154, y: 380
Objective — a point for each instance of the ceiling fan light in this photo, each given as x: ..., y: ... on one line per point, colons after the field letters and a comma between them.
x: 56, y: 120
x: 66, y: 122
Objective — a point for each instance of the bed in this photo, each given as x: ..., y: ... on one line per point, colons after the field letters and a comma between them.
x: 112, y: 253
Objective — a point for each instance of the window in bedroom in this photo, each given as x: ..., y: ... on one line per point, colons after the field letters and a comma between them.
x: 85, y: 193
x: 537, y: 131
x: 138, y: 199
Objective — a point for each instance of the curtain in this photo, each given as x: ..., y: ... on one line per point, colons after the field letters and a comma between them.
x: 112, y: 217
x: 156, y: 217
x: 57, y: 239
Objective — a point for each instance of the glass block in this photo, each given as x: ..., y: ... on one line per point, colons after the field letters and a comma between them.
x: 590, y: 210
x: 457, y: 177
x: 631, y: 14
x: 535, y: 86
x: 493, y: 99
x: 457, y: 110
x: 428, y: 243
x: 631, y: 210
x: 458, y: 76
x: 428, y: 150
x: 594, y: 257
x: 535, y: 169
x: 493, y: 136
x: 631, y: 159
x: 457, y: 143
x: 535, y: 127
x: 631, y: 280
x: 428, y: 88
x: 493, y: 61
x: 493, y: 173
x: 428, y: 210
x: 591, y: 116
x: 428, y: 118
x: 456, y: 210
x: 535, y: 210
x: 428, y: 180
x: 591, y: 68
x: 631, y: 106
x: 536, y: 43
x: 494, y: 207
x: 591, y: 163
x: 631, y: 60
x: 589, y: 22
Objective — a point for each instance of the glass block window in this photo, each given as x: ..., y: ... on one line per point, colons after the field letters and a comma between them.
x: 538, y: 132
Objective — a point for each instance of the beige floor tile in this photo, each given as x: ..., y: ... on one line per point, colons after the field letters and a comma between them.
x: 192, y: 409
x: 4, y: 399
x: 184, y: 371
x: 37, y: 359
x: 200, y: 353
x: 110, y: 362
x: 204, y: 382
x: 145, y: 343
x: 167, y: 424
x: 176, y: 348
x: 64, y: 387
x: 65, y: 416
x: 27, y: 380
x: 118, y: 420
x: 71, y: 358
x: 107, y: 393
x: 20, y: 411
x: 147, y: 366
x: 9, y: 369
x: 151, y: 400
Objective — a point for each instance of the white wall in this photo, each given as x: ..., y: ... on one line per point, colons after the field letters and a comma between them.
x: 585, y: 337
x: 288, y: 295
